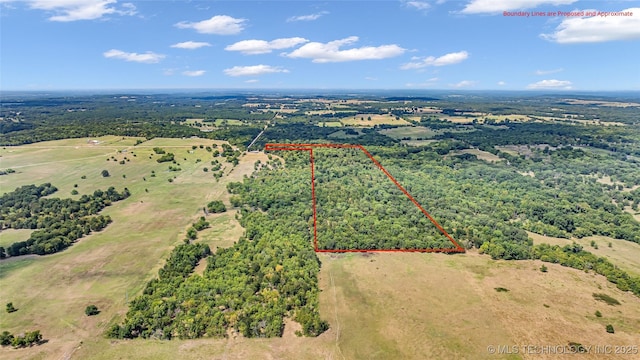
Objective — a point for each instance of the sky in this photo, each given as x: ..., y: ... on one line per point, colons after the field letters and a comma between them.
x: 549, y: 45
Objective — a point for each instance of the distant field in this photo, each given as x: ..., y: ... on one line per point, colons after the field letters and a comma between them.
x: 319, y: 112
x: 110, y: 266
x: 220, y: 122
x: 412, y: 132
x: 362, y: 120
x: 330, y: 124
x: 418, y: 142
x: 624, y: 254
x: 482, y: 155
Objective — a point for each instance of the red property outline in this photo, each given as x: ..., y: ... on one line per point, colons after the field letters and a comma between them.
x: 309, y: 148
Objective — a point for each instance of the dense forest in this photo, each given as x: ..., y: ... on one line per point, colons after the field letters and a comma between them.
x: 58, y: 222
x: 269, y: 274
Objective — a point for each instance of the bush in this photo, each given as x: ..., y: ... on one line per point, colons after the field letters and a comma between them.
x: 10, y: 308
x: 543, y: 268
x: 91, y: 310
x: 216, y: 206
x: 105, y: 173
x: 610, y: 329
x: 598, y: 313
x: 74, y: 192
x: 501, y: 289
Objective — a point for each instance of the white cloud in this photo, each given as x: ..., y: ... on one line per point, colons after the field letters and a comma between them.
x: 219, y: 25
x: 371, y: 78
x: 191, y: 45
x: 193, y: 73
x: 551, y: 84
x: 497, y: 6
x: 330, y: 52
x: 597, y: 28
x: 420, y: 5
x: 448, y: 59
x: 253, y: 47
x: 547, y: 72
x: 73, y: 10
x: 502, y: 83
x: 310, y: 17
x: 147, y: 58
x: 464, y: 83
x: 252, y: 81
x: 254, y: 70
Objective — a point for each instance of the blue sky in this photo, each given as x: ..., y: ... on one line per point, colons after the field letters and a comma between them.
x: 427, y: 44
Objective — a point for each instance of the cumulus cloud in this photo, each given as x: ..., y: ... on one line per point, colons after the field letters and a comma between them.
x: 219, y: 25
x: 73, y: 10
x: 253, y: 47
x: 463, y: 83
x: 551, y: 84
x: 597, y: 29
x: 331, y: 52
x: 547, y: 72
x: 498, y: 6
x: 502, y: 83
x: 190, y: 45
x: 310, y: 17
x: 254, y: 70
x: 148, y: 58
x: 193, y: 73
x: 448, y: 59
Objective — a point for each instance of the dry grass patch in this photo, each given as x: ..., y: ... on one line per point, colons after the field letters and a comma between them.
x: 376, y: 119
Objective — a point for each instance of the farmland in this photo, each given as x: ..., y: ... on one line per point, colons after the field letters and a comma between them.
x: 508, y: 192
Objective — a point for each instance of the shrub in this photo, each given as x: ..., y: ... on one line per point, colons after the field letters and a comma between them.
x: 11, y: 308
x: 105, y: 173
x: 216, y: 206
x: 91, y: 310
x: 501, y: 289
x: 598, y: 313
x: 543, y: 268
x: 610, y: 329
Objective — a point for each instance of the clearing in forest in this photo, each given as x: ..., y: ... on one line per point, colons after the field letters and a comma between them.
x: 354, y: 197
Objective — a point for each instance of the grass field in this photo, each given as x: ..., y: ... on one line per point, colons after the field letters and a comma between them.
x: 384, y: 306
x: 624, y: 254
x: 412, y: 132
x: 361, y: 120
x: 9, y: 236
x: 110, y: 266
x: 425, y: 306
x: 330, y: 124
x: 482, y: 155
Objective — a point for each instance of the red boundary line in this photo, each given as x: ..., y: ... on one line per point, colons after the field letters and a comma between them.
x: 309, y: 148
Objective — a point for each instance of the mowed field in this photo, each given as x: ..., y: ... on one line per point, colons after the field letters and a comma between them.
x: 383, y: 306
